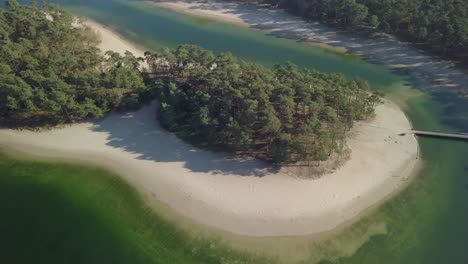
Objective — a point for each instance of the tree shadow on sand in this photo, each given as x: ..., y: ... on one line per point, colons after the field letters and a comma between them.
x: 140, y: 133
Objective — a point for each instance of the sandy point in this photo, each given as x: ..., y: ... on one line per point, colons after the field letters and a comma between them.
x: 242, y: 196
x: 245, y: 196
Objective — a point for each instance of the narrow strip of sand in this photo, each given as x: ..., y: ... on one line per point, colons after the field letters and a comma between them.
x: 242, y: 196
x: 112, y: 41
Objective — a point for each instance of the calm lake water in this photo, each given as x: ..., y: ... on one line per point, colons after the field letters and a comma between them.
x: 426, y: 223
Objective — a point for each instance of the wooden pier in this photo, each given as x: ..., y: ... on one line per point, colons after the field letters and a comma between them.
x: 462, y: 136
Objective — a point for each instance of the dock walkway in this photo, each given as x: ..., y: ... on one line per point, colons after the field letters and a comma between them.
x: 440, y: 134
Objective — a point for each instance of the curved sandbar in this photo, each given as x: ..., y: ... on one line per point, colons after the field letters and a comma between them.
x: 245, y: 196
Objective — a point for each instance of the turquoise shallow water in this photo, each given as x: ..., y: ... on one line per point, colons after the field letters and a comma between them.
x: 426, y: 223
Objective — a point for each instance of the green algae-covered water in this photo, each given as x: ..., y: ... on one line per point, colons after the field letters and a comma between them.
x: 426, y: 223
x: 65, y: 213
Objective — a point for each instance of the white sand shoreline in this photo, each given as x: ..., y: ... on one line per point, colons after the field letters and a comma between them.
x: 111, y: 40
x: 213, y: 190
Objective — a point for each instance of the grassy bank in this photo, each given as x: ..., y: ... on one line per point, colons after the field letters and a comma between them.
x: 63, y: 213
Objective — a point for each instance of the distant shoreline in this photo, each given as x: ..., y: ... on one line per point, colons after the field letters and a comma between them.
x: 385, y: 49
x: 211, y: 189
x: 188, y: 8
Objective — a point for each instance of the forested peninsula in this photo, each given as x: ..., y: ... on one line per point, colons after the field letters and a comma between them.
x: 221, y: 191
x: 51, y: 72
x: 440, y: 25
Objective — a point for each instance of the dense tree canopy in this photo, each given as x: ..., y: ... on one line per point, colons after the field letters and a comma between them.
x: 284, y: 114
x: 441, y: 24
x: 52, y: 72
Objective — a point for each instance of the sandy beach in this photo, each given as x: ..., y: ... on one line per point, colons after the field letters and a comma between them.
x: 238, y: 195
x: 112, y: 41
